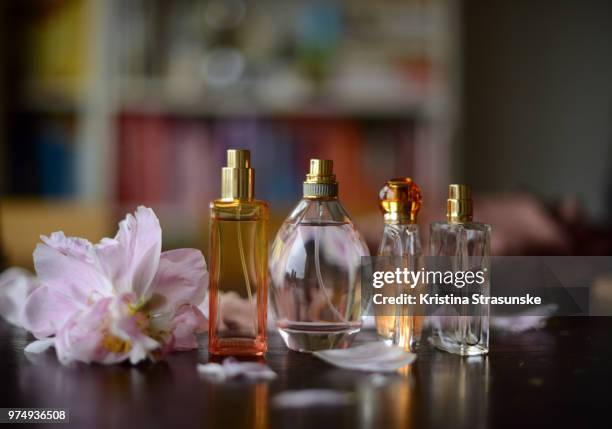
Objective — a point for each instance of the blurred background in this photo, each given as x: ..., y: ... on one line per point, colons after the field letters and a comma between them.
x: 108, y: 104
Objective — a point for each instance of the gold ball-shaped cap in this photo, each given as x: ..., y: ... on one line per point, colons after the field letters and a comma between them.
x: 459, y: 204
x: 400, y: 200
x: 321, y: 181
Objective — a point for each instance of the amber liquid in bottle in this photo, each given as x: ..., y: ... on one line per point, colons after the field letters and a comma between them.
x: 238, y: 295
x: 400, y: 200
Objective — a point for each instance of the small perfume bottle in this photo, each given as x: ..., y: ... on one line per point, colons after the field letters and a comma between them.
x: 315, y: 265
x: 400, y: 200
x: 462, y: 245
x: 238, y: 294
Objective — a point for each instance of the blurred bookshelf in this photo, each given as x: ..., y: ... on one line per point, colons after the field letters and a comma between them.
x: 115, y: 103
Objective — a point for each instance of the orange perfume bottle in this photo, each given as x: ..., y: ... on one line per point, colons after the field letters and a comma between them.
x: 238, y: 295
x: 400, y: 200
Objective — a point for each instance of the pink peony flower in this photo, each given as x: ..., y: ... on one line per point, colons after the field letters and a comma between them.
x: 117, y: 300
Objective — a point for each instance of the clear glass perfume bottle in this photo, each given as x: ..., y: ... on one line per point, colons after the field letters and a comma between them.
x: 462, y: 245
x: 238, y: 295
x: 315, y: 268
x: 400, y: 200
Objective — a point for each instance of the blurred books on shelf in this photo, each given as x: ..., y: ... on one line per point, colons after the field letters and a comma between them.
x: 174, y: 164
x: 358, y: 57
x: 127, y: 102
x: 41, y: 156
x: 55, y: 53
x: 49, y: 77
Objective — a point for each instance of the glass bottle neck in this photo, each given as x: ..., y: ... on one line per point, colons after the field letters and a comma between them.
x: 400, y: 239
x: 323, y: 210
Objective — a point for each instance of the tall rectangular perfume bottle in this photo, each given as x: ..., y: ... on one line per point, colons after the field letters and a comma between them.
x: 465, y: 246
x: 400, y: 200
x: 238, y: 295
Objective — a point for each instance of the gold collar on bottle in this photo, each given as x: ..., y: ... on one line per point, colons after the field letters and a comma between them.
x: 320, y: 181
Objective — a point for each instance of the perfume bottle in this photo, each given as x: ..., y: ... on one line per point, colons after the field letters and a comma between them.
x: 238, y: 294
x: 315, y: 265
x: 400, y: 200
x: 461, y: 245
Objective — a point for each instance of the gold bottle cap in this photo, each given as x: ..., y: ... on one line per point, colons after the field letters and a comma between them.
x: 459, y: 204
x: 400, y: 200
x: 237, y: 178
x: 321, y: 180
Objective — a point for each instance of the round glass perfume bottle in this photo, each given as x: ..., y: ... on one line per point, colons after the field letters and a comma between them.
x: 315, y: 268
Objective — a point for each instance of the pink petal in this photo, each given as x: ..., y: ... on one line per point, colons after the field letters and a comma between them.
x: 80, y: 338
x: 141, y: 350
x: 187, y: 322
x: 40, y: 346
x: 113, y: 258
x: 46, y: 310
x: 132, y: 258
x: 15, y: 286
x: 231, y: 368
x: 83, y: 336
x: 181, y: 279
x: 68, y: 273
x: 127, y: 325
x: 75, y: 247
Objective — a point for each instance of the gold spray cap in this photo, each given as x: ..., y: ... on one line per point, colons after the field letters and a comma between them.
x: 321, y: 180
x: 400, y: 200
x: 237, y: 178
x: 459, y: 204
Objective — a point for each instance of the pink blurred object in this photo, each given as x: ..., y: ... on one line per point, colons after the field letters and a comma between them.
x: 117, y: 300
x: 15, y: 286
x: 521, y: 224
x: 233, y: 369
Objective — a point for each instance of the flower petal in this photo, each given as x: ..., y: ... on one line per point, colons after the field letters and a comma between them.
x: 75, y: 247
x: 70, y: 274
x: 113, y: 258
x: 231, y: 368
x: 181, y: 279
x: 46, y: 310
x: 15, y: 286
x: 81, y: 337
x: 132, y: 258
x: 40, y: 346
x: 188, y: 321
x: 132, y: 327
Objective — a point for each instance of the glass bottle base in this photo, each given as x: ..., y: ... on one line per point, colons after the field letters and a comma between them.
x: 313, y: 336
x: 457, y: 348
x: 237, y: 347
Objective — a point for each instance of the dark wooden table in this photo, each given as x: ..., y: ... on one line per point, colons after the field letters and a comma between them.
x: 559, y: 376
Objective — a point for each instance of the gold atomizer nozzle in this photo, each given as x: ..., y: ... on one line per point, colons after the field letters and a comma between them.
x: 459, y: 204
x: 321, y: 181
x: 237, y: 178
x: 400, y: 200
